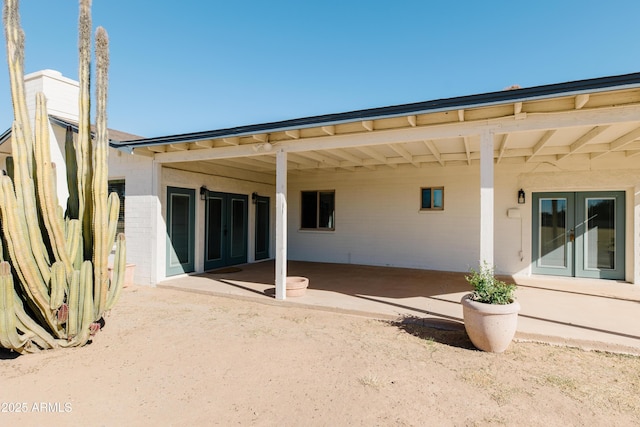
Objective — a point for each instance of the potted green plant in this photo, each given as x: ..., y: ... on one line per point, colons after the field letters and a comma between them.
x: 490, y: 312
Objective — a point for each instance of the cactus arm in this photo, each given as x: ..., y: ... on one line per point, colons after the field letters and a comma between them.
x: 58, y: 285
x: 74, y: 297
x: 100, y: 153
x: 85, y: 304
x: 46, y: 185
x: 83, y: 149
x: 72, y: 238
x: 14, y: 37
x: 9, y: 337
x: 119, y: 267
x: 14, y: 231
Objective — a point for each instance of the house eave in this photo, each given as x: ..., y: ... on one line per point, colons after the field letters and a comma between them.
x: 574, y: 88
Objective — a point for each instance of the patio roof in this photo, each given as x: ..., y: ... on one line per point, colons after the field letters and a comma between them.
x: 544, y: 124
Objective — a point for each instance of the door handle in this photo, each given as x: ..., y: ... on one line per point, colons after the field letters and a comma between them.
x: 572, y: 235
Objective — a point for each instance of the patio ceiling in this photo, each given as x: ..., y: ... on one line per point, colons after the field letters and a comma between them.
x: 554, y: 130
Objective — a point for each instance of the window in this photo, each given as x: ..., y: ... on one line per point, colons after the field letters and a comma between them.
x: 318, y: 210
x: 432, y: 198
x: 117, y: 186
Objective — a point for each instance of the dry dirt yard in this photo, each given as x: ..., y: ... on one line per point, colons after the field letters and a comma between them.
x: 175, y: 358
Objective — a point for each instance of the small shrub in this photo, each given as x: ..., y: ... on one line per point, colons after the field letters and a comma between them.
x: 487, y: 289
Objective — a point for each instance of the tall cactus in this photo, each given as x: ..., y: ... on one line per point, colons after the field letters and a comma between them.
x: 54, y: 282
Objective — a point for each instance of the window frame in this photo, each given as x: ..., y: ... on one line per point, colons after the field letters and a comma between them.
x: 432, y: 191
x: 317, y: 209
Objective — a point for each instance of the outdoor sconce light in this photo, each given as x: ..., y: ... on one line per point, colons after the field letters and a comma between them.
x: 521, y: 197
x: 203, y: 192
x: 254, y: 197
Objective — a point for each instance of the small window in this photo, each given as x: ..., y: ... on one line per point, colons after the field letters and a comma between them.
x: 117, y: 186
x: 318, y: 210
x: 432, y: 198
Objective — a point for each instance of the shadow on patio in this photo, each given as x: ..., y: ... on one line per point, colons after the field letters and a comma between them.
x: 593, y: 314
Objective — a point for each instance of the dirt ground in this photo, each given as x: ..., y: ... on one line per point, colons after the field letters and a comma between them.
x: 174, y: 358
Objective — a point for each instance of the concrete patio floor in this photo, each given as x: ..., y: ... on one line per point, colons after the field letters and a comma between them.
x: 591, y: 314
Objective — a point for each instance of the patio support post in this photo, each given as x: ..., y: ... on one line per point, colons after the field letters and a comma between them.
x: 635, y: 264
x: 281, y: 224
x: 486, y: 198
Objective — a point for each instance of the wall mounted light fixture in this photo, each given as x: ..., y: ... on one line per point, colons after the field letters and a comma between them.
x: 203, y: 192
x: 521, y: 199
x: 254, y: 197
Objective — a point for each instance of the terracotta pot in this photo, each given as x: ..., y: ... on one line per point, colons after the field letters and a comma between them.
x: 296, y: 286
x: 490, y: 327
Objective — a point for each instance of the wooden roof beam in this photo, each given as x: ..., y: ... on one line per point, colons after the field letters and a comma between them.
x: 581, y: 100
x: 503, y: 146
x: 157, y: 148
x: 583, y: 140
x: 293, y: 133
x: 232, y: 140
x: 434, y: 150
x: 412, y: 121
x: 351, y: 158
x: 541, y: 143
x: 367, y: 124
x: 376, y: 155
x: 404, y: 153
x: 461, y: 115
x: 179, y: 147
x: 620, y: 142
x: 467, y: 149
x: 205, y: 144
x: 329, y: 130
x: 264, y: 137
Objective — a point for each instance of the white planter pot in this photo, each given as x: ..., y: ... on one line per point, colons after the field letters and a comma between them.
x: 490, y: 327
x: 296, y: 286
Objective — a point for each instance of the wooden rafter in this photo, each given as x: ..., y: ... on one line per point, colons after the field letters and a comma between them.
x: 296, y: 158
x: 461, y: 115
x: 204, y: 144
x: 329, y: 130
x: 581, y: 101
x: 157, y: 148
x: 467, y: 149
x: 351, y: 158
x: 263, y: 137
x: 367, y: 124
x: 320, y: 158
x: 583, y: 140
x: 376, y: 155
x: 620, y: 142
x: 179, y: 147
x: 412, y: 121
x: 434, y: 150
x: 293, y: 133
x: 503, y: 146
x: 404, y: 153
x: 541, y: 143
x: 231, y: 141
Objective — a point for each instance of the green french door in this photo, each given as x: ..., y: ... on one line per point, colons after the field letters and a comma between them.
x: 262, y: 227
x: 225, y: 229
x: 579, y: 234
x: 180, y: 230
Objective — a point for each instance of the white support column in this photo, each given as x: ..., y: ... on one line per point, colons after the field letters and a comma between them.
x: 486, y: 198
x: 158, y: 242
x: 281, y: 224
x: 634, y: 260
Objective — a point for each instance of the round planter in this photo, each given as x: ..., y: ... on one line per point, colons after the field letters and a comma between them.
x: 297, y: 286
x: 490, y: 327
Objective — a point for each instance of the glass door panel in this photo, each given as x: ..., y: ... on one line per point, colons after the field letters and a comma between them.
x: 553, y: 233
x: 600, y: 235
x: 180, y: 230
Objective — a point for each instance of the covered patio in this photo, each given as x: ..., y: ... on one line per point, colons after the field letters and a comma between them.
x: 591, y: 314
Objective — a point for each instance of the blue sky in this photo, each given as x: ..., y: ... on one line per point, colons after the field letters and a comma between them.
x: 212, y: 64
